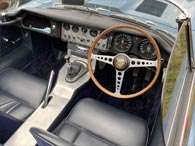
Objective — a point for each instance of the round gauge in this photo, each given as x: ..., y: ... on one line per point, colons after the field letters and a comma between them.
x: 146, y: 50
x: 122, y: 42
x: 75, y: 29
x: 93, y: 33
x: 66, y: 26
x: 84, y: 30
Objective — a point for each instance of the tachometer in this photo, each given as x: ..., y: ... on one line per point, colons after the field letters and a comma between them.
x: 122, y: 42
x: 146, y: 50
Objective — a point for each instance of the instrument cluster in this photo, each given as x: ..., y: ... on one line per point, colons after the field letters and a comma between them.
x: 125, y: 43
x: 117, y: 42
x: 82, y: 36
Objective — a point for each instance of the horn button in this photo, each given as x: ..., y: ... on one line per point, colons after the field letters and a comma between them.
x: 121, y: 62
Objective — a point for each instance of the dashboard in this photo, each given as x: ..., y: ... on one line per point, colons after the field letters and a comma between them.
x: 82, y: 36
x: 81, y: 29
x: 117, y: 42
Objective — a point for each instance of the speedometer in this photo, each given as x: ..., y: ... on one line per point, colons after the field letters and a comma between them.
x: 146, y: 50
x: 122, y: 42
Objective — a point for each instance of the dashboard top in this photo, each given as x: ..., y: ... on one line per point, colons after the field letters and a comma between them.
x: 57, y: 18
x: 82, y: 18
x: 90, y: 20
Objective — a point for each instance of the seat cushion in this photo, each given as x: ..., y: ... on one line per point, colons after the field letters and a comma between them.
x: 20, y: 93
x: 92, y: 123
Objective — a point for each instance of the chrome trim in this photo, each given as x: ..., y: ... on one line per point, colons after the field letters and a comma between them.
x: 170, y: 134
x: 172, y: 94
x: 191, y: 141
x: 190, y: 44
x: 188, y: 115
x: 180, y: 124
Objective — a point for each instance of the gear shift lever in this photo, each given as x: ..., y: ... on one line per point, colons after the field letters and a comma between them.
x: 69, y: 65
x: 75, y: 69
x: 67, y: 59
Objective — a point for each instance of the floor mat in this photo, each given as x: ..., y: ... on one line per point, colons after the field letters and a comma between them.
x: 43, y: 65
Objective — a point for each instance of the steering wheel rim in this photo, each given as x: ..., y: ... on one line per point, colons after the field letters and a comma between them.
x: 153, y: 42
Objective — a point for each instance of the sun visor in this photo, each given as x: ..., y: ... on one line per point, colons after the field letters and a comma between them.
x: 73, y: 2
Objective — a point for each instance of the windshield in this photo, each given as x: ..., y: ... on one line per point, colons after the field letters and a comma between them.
x: 158, y: 13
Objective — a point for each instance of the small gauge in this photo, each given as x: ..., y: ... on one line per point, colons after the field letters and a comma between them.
x: 84, y: 30
x: 93, y: 33
x: 146, y: 50
x: 122, y: 42
x: 66, y: 26
x: 75, y: 29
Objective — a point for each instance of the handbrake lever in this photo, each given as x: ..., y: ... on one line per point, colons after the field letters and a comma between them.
x: 48, y: 89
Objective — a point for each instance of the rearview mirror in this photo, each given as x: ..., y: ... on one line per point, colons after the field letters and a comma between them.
x: 73, y: 2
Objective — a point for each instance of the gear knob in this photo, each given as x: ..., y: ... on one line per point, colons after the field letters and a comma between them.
x: 67, y: 58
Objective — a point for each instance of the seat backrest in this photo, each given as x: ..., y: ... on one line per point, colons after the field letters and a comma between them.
x: 45, y: 138
x: 109, y: 123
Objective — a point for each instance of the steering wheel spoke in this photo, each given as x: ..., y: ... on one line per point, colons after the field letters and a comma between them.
x: 134, y: 62
x: 103, y: 58
x: 119, y: 81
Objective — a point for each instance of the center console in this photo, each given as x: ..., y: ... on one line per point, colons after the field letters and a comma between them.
x: 65, y: 88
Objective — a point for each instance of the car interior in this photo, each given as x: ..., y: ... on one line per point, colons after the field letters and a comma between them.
x: 75, y: 78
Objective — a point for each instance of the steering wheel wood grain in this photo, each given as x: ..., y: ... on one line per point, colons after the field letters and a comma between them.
x: 122, y: 62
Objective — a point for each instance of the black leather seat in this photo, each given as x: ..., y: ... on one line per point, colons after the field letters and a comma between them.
x: 20, y: 93
x: 91, y: 123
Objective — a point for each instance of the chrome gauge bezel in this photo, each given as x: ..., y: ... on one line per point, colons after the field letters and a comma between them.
x: 116, y: 46
x: 93, y: 33
x: 151, y: 55
x: 66, y: 26
x: 75, y: 28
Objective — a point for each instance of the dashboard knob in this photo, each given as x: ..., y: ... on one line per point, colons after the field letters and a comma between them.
x: 53, y: 27
x: 82, y: 39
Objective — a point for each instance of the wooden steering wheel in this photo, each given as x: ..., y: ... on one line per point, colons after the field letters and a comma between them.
x: 122, y: 62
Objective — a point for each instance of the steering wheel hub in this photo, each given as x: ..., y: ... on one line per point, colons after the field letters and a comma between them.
x: 121, y: 62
